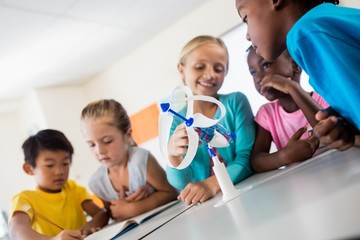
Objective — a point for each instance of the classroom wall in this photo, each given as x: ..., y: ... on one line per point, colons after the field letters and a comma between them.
x: 11, y: 164
x: 31, y: 114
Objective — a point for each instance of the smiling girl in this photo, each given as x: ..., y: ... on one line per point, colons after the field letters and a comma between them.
x: 203, y: 65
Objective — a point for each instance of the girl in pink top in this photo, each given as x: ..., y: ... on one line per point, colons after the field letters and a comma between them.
x: 288, y: 116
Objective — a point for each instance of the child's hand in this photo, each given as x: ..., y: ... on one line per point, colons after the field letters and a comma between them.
x: 277, y: 82
x: 177, y: 145
x: 68, y: 234
x: 121, y: 209
x: 139, y: 194
x: 333, y: 131
x: 297, y: 150
x: 198, y: 191
x: 88, y: 229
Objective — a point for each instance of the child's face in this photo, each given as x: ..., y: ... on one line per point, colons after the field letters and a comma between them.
x: 266, y: 27
x: 109, y: 145
x: 52, y: 170
x: 259, y: 68
x: 205, y: 69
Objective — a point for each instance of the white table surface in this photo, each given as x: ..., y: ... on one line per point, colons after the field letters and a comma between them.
x: 316, y: 199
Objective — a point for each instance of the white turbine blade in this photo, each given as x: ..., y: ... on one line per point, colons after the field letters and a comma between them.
x: 165, y: 121
x: 203, y: 121
x: 192, y: 148
x: 219, y: 140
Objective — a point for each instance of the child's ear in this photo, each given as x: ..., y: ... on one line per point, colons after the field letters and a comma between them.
x: 296, y: 70
x: 295, y: 67
x: 181, y: 71
x: 28, y: 169
x: 278, y: 4
x: 129, y: 133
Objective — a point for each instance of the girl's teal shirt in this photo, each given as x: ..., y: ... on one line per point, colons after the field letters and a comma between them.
x: 238, y: 119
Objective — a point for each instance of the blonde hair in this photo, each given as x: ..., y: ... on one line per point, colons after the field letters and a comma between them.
x: 200, y: 41
x: 111, y: 108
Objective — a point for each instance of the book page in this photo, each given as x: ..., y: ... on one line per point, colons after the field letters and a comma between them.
x: 113, y: 229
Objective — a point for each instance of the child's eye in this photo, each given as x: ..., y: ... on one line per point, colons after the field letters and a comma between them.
x: 108, y: 141
x: 253, y: 73
x: 199, y: 68
x: 219, y: 70
x: 266, y: 65
x: 49, y: 166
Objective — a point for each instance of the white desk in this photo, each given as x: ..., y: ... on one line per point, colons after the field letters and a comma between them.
x: 317, y: 199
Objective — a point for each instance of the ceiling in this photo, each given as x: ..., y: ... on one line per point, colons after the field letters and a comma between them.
x: 62, y: 42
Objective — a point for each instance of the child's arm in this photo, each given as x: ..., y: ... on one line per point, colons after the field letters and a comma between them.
x: 302, y: 99
x: 164, y: 193
x: 260, y: 153
x: 20, y: 229
x: 296, y: 150
x: 305, y: 102
x: 99, y: 216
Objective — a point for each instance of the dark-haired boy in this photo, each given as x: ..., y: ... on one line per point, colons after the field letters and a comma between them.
x: 55, y: 209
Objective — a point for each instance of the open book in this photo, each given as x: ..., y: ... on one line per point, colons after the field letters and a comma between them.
x: 116, y: 229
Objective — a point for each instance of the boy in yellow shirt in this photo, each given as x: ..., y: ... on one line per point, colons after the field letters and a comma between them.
x: 55, y: 209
